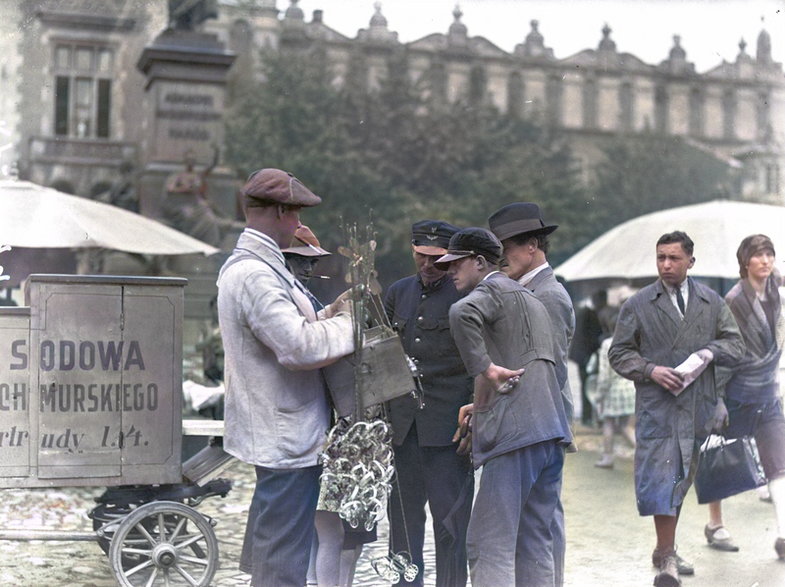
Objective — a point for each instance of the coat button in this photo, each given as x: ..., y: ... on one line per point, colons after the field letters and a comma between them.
x: 417, y: 339
x: 423, y: 296
x: 419, y: 318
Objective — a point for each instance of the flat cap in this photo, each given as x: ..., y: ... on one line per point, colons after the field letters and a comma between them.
x: 468, y: 242
x: 431, y: 237
x: 273, y: 186
x: 518, y: 218
x: 306, y: 244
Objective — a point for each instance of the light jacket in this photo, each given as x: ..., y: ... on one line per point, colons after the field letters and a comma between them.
x: 276, y: 408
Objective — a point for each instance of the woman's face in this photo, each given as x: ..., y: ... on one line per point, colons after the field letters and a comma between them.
x: 761, y: 265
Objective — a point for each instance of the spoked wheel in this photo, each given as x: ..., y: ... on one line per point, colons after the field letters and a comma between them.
x: 164, y: 543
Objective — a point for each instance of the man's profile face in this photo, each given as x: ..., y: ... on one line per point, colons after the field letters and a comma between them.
x: 464, y: 274
x: 519, y: 258
x: 673, y: 263
x: 424, y: 263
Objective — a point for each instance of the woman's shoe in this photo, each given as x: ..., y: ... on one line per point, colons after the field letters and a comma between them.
x: 605, y: 462
x: 720, y: 539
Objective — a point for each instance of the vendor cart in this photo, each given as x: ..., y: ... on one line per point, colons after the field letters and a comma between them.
x: 91, y: 395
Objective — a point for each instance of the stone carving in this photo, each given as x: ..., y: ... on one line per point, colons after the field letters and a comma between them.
x: 186, y: 15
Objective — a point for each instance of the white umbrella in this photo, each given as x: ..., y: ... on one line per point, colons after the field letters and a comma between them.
x: 628, y: 250
x: 34, y: 216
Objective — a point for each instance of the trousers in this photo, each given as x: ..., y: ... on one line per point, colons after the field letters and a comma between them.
x: 280, y: 528
x: 509, y: 541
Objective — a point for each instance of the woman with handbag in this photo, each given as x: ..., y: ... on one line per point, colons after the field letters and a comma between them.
x: 752, y: 392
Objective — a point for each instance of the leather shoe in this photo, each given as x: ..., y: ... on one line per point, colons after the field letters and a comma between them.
x: 682, y: 566
x: 724, y: 543
x: 605, y: 462
x: 779, y: 546
x: 669, y: 571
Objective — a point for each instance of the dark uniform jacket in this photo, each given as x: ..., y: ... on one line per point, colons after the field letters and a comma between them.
x: 420, y: 315
x: 502, y: 322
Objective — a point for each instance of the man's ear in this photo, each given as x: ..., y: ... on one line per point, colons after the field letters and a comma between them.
x: 480, y: 262
x: 692, y: 262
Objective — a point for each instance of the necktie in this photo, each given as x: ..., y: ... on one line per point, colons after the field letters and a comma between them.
x: 680, y: 300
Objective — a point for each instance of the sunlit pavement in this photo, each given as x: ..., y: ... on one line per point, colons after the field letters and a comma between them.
x: 608, y: 543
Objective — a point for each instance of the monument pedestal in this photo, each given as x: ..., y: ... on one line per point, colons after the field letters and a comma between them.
x: 186, y: 92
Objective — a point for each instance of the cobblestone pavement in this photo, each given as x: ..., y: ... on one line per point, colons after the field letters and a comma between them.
x: 608, y: 544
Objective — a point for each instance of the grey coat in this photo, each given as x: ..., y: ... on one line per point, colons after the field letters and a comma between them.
x: 650, y: 332
x: 559, y: 305
x: 502, y: 322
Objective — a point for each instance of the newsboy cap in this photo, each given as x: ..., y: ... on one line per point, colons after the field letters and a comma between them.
x: 468, y: 242
x: 305, y: 244
x: 518, y: 218
x: 431, y: 237
x: 273, y: 186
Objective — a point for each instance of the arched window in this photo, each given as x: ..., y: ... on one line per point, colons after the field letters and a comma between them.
x: 661, y: 109
x: 478, y: 82
x: 729, y: 114
x: 553, y: 96
x: 515, y: 94
x: 590, y: 103
x: 696, y: 112
x: 626, y: 107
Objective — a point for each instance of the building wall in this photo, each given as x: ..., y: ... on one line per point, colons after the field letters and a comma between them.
x: 594, y: 93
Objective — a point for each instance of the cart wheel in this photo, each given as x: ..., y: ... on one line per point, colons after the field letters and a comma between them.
x: 164, y: 543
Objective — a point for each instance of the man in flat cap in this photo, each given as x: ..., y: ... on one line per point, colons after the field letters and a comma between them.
x: 427, y: 465
x: 519, y: 424
x: 524, y: 236
x: 276, y: 410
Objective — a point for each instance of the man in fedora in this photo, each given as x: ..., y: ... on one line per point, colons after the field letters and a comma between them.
x: 519, y: 422
x: 524, y: 236
x: 427, y: 465
x: 276, y: 409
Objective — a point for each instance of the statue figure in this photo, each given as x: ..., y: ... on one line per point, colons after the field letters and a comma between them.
x: 186, y: 15
x: 187, y: 207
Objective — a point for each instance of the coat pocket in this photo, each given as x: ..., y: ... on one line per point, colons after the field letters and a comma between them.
x: 494, y: 424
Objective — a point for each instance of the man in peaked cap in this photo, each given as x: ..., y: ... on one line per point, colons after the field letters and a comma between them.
x: 276, y: 410
x: 520, y: 425
x: 428, y: 467
x: 524, y: 236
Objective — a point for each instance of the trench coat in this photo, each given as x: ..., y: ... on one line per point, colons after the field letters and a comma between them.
x: 650, y: 332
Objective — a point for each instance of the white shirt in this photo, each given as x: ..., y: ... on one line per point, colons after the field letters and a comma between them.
x: 526, y: 278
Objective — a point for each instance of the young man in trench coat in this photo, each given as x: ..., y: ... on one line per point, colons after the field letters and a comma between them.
x: 658, y: 329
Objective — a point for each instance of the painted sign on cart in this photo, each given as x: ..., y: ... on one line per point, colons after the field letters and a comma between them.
x: 90, y: 382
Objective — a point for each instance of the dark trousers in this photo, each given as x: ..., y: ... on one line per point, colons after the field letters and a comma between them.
x: 510, y: 541
x: 280, y: 526
x: 446, y: 481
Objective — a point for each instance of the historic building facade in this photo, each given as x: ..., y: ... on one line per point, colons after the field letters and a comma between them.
x: 69, y: 110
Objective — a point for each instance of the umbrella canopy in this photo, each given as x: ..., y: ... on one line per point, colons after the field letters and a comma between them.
x: 38, y: 217
x: 628, y: 250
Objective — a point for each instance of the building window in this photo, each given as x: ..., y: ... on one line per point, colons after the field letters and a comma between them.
x: 477, y: 85
x: 625, y: 106
x: 515, y: 95
x: 553, y: 95
x: 437, y: 82
x: 763, y: 115
x: 590, y: 103
x: 661, y: 109
x: 696, y: 112
x: 772, y: 178
x: 728, y: 114
x: 83, y: 90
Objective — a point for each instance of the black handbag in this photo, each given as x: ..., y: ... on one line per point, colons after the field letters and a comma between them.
x: 727, y: 466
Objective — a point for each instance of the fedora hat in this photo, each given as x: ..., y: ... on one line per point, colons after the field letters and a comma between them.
x: 518, y: 218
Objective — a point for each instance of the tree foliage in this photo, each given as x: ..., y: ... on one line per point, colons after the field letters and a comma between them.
x: 394, y: 156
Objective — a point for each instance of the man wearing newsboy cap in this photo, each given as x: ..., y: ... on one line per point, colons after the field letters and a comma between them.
x: 524, y: 235
x: 276, y: 409
x: 518, y: 421
x: 426, y: 462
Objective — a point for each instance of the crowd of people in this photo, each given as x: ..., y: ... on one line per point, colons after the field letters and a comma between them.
x: 489, y: 329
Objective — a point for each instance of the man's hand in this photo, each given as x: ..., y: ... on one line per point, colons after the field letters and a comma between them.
x: 721, y: 419
x: 343, y: 303
x: 668, y: 378
x: 503, y: 380
x: 463, y: 435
